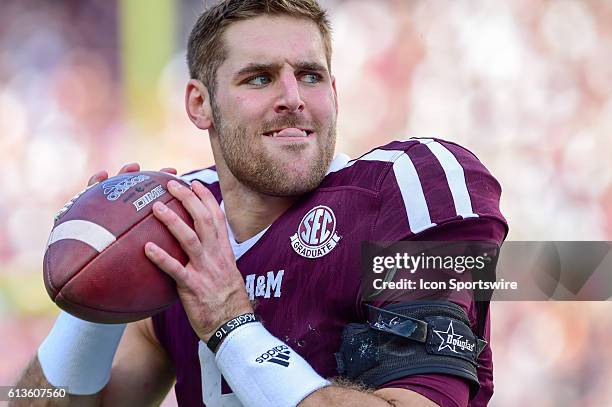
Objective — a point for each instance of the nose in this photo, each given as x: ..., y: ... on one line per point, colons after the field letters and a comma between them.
x: 289, y: 99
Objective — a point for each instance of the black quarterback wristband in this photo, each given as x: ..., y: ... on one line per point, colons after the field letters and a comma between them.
x: 225, y: 329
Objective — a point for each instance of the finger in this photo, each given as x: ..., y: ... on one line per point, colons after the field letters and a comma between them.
x: 213, y: 206
x: 169, y: 170
x: 164, y: 261
x: 187, y: 237
x: 97, y: 177
x: 131, y: 167
x: 218, y: 217
x: 202, y: 218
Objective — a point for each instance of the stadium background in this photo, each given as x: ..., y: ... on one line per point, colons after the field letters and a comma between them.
x: 526, y: 84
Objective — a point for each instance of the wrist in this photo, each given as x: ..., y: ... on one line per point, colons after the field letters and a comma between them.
x: 206, y: 334
x: 78, y: 354
x: 214, y: 339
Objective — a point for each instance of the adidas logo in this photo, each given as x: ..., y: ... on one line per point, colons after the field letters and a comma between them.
x: 278, y: 354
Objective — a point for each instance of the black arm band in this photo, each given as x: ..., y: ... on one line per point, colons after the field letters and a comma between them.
x: 225, y: 329
x: 413, y: 338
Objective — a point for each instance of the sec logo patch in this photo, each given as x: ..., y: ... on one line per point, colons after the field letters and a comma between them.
x: 316, y: 235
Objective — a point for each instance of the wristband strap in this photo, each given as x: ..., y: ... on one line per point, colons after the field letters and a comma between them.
x: 225, y: 329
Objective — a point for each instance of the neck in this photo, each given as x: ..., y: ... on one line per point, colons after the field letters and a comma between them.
x: 248, y: 212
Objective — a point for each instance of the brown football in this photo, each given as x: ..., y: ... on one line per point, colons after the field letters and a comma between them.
x: 94, y: 264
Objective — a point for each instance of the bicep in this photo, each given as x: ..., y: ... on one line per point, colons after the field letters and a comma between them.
x: 404, y: 398
x: 142, y: 374
x: 438, y: 389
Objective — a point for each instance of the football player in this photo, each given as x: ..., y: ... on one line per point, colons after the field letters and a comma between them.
x: 270, y: 307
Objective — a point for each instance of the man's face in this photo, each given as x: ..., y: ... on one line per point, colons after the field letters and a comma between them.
x: 275, y: 108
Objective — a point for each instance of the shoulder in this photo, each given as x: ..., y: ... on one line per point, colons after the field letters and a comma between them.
x: 422, y: 183
x: 416, y: 156
x: 368, y: 170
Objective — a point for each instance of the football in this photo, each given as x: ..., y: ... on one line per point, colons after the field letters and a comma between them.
x: 94, y: 263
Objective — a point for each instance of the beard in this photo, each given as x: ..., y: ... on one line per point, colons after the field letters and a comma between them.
x: 258, y: 169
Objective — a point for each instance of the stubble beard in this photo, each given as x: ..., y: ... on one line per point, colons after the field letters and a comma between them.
x: 256, y: 168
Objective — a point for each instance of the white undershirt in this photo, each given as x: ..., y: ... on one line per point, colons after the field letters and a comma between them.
x: 240, y: 248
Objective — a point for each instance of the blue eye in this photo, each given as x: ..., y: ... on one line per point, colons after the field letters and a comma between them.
x: 259, y: 80
x: 311, y: 78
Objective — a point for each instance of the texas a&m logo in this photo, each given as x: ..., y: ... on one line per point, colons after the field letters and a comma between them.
x: 316, y: 235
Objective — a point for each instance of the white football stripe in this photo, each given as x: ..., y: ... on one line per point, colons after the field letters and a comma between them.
x: 409, y: 185
x: 207, y: 175
x: 412, y: 193
x: 87, y: 232
x: 455, y: 176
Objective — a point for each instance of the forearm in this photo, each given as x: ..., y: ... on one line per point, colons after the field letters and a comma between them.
x: 34, y: 378
x: 77, y: 356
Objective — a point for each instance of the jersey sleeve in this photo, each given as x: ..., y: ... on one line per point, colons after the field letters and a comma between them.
x: 439, y: 191
x: 432, y: 183
x: 443, y: 389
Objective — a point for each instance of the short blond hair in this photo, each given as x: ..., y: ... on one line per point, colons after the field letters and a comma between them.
x: 205, y: 48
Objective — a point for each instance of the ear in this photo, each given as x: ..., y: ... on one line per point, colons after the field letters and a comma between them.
x: 197, y: 104
x: 333, y: 83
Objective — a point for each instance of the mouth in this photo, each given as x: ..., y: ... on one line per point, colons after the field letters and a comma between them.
x: 289, y: 132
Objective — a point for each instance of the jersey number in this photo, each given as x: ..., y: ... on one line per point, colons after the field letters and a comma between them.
x: 211, y: 381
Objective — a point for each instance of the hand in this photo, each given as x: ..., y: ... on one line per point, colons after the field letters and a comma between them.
x: 131, y: 167
x: 210, y: 286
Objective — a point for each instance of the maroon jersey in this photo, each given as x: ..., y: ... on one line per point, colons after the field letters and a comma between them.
x: 304, y: 269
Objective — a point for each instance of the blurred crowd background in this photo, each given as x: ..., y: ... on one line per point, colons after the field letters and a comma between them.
x: 525, y: 84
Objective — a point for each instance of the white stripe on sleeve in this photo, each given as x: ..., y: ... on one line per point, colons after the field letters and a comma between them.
x: 413, y: 196
x: 455, y: 176
x: 408, y: 184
